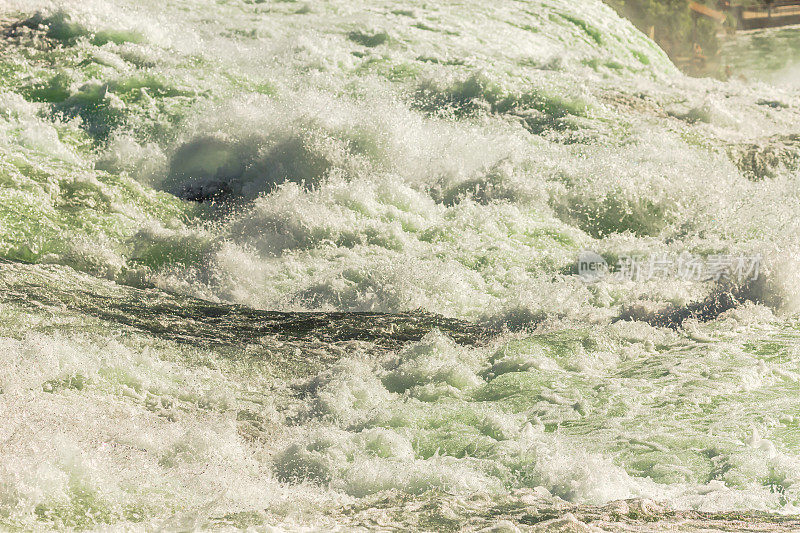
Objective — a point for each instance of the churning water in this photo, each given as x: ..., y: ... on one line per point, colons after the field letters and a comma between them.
x: 288, y: 265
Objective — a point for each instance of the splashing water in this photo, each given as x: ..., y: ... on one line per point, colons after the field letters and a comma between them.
x: 313, y: 265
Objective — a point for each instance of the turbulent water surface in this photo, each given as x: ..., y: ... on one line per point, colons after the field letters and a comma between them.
x: 272, y: 264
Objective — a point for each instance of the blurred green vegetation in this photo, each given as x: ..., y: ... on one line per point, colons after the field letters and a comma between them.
x: 674, y: 28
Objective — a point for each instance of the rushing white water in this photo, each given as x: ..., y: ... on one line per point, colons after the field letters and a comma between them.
x: 449, y: 158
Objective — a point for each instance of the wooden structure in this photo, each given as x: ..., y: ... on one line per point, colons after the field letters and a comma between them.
x: 704, y: 10
x: 768, y: 14
x: 765, y: 14
x: 730, y: 18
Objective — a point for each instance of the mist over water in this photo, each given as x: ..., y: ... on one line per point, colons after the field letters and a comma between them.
x: 315, y: 265
x: 770, y: 56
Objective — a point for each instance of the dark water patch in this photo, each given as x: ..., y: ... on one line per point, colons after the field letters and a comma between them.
x: 95, y: 105
x: 534, y: 511
x: 774, y: 104
x: 461, y: 98
x: 201, y: 323
x: 723, y: 298
x: 58, y: 29
x: 101, y: 106
x: 767, y: 158
x: 213, y: 168
x: 369, y: 39
x: 206, y: 168
x: 539, y: 110
x: 117, y: 37
x: 614, y: 213
x: 56, y: 89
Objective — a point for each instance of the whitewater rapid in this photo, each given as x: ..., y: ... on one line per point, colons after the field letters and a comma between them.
x: 315, y: 265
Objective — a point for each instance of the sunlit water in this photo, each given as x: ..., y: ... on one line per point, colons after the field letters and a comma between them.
x: 426, y: 175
